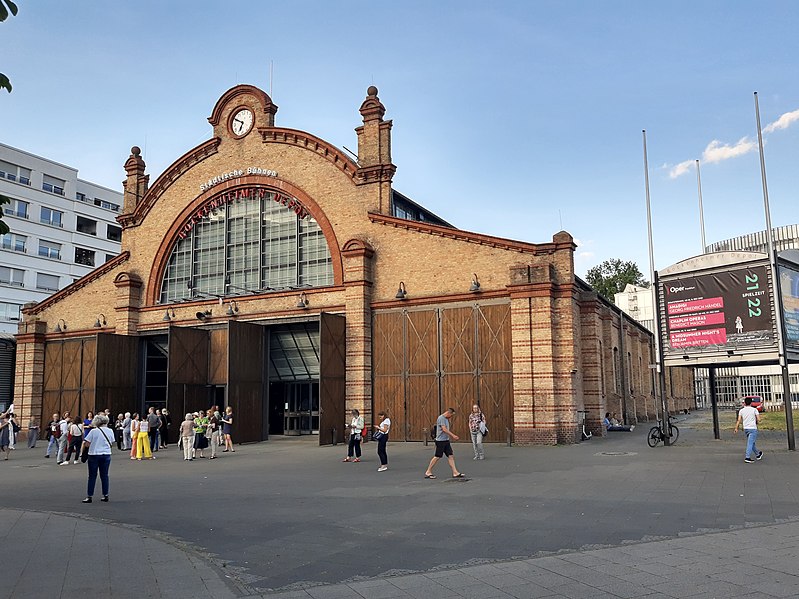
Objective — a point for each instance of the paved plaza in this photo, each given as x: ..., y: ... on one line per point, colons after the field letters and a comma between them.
x: 285, y: 518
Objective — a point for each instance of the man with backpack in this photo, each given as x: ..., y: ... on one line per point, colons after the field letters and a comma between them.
x: 444, y: 436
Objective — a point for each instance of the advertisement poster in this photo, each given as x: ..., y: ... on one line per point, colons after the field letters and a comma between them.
x: 724, y: 310
x: 789, y: 290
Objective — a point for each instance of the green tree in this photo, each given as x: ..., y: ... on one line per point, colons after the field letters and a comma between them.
x: 612, y: 276
x: 6, y: 7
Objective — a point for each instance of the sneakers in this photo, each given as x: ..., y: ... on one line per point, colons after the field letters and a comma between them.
x: 382, y: 468
x: 760, y: 455
x: 64, y: 464
x: 105, y: 498
x: 74, y: 461
x: 749, y: 460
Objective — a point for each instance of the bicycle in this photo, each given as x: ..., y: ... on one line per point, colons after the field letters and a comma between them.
x: 584, y: 434
x: 655, y: 435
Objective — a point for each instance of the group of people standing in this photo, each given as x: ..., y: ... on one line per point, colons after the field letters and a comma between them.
x: 443, y: 438
x: 202, y: 430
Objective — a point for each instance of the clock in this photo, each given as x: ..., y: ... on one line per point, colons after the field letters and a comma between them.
x: 241, y: 123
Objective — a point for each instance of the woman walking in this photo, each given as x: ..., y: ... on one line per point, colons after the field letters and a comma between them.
x: 476, y: 427
x: 187, y: 437
x: 118, y: 427
x: 227, y: 429
x: 75, y: 441
x: 5, y: 435
x: 356, y: 429
x: 163, y: 431
x: 382, y: 438
x: 142, y: 444
x: 98, y: 441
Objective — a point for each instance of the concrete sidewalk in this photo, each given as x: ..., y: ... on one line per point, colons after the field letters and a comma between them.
x: 285, y: 518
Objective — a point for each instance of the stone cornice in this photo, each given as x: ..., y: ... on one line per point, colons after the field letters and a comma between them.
x: 379, y: 173
x: 79, y: 284
x: 301, y: 139
x: 169, y: 176
x: 537, y: 249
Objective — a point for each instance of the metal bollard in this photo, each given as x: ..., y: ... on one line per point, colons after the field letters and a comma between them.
x: 509, y: 436
x: 335, y: 439
x: 426, y: 435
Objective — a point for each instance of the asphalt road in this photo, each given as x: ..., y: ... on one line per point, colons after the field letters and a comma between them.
x: 288, y: 514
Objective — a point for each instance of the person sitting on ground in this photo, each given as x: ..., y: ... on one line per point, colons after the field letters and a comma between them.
x: 608, y: 422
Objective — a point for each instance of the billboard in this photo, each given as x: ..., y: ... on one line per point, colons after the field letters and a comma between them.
x: 789, y: 291
x: 719, y: 313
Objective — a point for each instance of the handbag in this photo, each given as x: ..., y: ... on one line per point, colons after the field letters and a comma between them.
x: 377, y: 435
x: 483, y: 429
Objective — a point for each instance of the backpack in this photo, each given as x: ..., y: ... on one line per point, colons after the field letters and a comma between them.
x: 434, y: 432
x: 56, y: 432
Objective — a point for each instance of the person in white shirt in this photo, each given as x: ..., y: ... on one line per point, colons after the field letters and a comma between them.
x: 749, y: 417
x: 62, y: 440
x: 98, y: 441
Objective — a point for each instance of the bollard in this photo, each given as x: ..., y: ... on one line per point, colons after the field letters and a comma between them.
x: 426, y: 435
x: 333, y: 431
x: 509, y: 435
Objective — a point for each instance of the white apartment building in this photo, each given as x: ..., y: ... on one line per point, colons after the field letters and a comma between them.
x: 61, y: 228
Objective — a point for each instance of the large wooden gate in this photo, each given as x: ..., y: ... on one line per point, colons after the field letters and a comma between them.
x: 117, y: 373
x: 424, y: 361
x: 187, y: 373
x: 332, y: 375
x: 246, y: 380
x: 69, y: 377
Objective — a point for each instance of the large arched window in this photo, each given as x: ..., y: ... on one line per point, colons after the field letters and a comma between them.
x: 247, y: 245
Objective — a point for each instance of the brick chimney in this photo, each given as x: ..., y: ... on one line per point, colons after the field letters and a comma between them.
x: 374, y: 149
x: 137, y: 182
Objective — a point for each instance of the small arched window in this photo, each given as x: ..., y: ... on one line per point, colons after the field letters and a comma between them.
x: 247, y: 246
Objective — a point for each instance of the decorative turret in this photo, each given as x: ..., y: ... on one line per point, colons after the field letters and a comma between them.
x: 137, y: 183
x: 374, y: 148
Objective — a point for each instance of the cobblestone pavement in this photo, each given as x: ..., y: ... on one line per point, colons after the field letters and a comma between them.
x: 285, y: 518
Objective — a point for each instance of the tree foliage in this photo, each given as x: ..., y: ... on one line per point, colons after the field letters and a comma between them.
x: 6, y: 7
x: 612, y: 276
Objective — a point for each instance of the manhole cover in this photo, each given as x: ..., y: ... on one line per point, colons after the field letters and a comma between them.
x: 617, y: 453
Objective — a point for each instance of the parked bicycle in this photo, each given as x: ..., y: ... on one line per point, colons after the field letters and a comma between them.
x: 655, y: 435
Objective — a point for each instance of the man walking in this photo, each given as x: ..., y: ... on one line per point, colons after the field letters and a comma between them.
x: 53, y: 434
x: 154, y: 422
x: 444, y: 436
x: 749, y: 417
x: 63, y: 425
x: 126, y: 438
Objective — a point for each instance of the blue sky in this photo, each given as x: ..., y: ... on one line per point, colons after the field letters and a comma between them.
x: 515, y: 119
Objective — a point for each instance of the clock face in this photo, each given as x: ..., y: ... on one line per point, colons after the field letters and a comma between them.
x: 242, y: 122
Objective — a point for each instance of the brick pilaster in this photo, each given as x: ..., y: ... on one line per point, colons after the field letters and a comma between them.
x: 29, y: 372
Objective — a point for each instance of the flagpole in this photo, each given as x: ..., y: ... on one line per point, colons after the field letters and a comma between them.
x: 701, y: 210
x: 775, y: 295
x: 655, y: 306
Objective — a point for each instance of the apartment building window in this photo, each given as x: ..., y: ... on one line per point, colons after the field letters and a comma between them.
x: 84, y: 256
x: 53, y: 185
x: 51, y: 217
x: 113, y: 233
x: 107, y: 205
x: 10, y: 312
x: 46, y: 282
x: 109, y: 257
x: 49, y: 249
x: 16, y: 208
x: 16, y: 173
x: 11, y: 276
x: 14, y: 242
x: 81, y: 197
x: 87, y: 226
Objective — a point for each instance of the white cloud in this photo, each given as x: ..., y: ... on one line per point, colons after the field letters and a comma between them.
x: 680, y: 169
x: 718, y: 152
x: 785, y: 121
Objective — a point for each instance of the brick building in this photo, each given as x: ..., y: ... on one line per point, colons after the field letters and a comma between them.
x: 267, y: 270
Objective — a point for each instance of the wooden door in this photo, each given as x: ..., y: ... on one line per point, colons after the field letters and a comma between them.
x: 245, y: 391
x: 69, y: 377
x: 53, y: 367
x: 459, y: 364
x: 495, y: 369
x: 422, y: 391
x: 332, y: 377
x: 388, y: 370
x: 187, y: 373
x: 117, y: 373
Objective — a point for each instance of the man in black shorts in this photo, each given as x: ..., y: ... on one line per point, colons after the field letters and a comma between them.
x: 444, y: 436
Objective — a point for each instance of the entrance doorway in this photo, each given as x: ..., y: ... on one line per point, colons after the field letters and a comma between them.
x: 294, y: 408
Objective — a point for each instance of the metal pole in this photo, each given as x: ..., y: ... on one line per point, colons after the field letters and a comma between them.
x: 714, y: 403
x: 701, y: 210
x: 624, y: 374
x: 775, y: 295
x: 661, y: 372
x: 655, y: 303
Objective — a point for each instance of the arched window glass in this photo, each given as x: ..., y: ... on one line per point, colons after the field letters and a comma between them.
x: 250, y: 245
